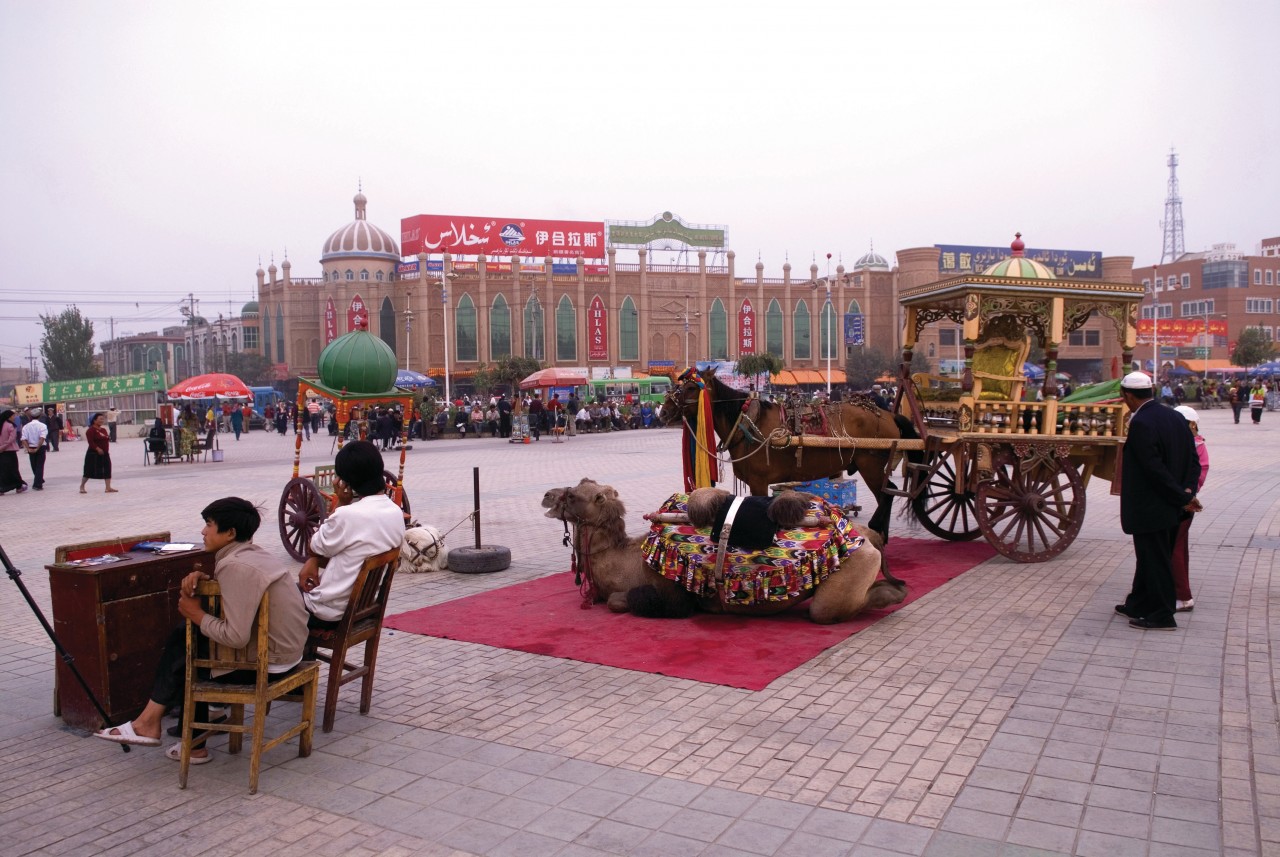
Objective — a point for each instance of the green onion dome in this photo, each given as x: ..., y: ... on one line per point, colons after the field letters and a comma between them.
x: 359, y: 363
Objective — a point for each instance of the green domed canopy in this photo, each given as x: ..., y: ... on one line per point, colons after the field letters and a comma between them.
x: 358, y: 363
x: 251, y: 308
x: 1018, y: 265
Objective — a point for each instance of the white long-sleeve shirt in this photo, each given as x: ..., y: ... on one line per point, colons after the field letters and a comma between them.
x: 366, y: 527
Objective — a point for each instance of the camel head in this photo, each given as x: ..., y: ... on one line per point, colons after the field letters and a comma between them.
x: 568, y: 504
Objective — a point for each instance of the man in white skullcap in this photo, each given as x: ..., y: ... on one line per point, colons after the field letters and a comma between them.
x: 1159, y: 472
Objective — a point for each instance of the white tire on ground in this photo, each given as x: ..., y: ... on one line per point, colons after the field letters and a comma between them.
x: 474, y: 560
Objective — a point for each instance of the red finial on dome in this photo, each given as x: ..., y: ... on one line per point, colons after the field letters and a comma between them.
x: 1017, y: 246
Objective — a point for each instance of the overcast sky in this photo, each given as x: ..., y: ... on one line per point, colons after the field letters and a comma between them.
x: 154, y: 149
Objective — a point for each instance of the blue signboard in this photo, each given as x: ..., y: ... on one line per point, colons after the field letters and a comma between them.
x: 854, y: 328
x: 957, y: 259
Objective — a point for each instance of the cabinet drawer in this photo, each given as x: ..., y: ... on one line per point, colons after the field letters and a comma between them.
x: 133, y: 581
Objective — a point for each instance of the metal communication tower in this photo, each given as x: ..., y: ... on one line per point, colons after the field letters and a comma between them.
x: 1174, y: 245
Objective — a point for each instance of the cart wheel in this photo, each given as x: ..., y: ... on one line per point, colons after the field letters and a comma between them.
x: 390, y: 479
x: 302, y: 510
x: 939, y: 508
x: 1031, y: 516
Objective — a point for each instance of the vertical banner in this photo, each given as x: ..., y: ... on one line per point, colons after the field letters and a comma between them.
x: 597, y: 330
x: 330, y: 322
x: 854, y: 328
x: 357, y: 315
x: 746, y: 328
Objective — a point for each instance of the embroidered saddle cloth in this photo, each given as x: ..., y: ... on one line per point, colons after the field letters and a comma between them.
x: 799, y: 559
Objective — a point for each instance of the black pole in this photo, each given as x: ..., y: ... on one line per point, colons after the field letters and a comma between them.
x: 16, y: 576
x: 475, y: 493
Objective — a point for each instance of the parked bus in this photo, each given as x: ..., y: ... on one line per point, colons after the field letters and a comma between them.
x: 653, y: 389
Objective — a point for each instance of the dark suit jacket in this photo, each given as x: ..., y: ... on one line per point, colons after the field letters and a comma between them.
x: 1159, y: 466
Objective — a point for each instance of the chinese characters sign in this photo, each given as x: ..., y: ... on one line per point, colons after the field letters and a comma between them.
x: 92, y: 388
x: 957, y: 259
x: 597, y: 330
x: 357, y: 315
x: 330, y: 322
x: 496, y: 236
x: 746, y: 328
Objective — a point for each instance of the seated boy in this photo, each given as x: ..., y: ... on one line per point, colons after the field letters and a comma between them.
x: 244, y: 571
x: 365, y: 523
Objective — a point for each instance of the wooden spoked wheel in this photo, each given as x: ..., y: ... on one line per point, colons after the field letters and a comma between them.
x: 302, y: 510
x: 939, y: 508
x: 390, y: 479
x: 1034, y: 515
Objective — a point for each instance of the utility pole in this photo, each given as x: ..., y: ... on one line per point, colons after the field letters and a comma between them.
x: 1174, y: 243
x: 31, y: 360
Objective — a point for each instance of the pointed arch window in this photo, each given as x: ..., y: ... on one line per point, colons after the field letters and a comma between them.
x: 364, y: 275
x: 280, y: 333
x: 378, y: 276
x: 773, y: 328
x: 718, y: 331
x: 828, y: 331
x: 628, y: 331
x: 266, y: 334
x: 855, y: 308
x: 499, y: 328
x: 566, y: 330
x: 350, y: 274
x: 387, y: 323
x: 535, y: 329
x: 802, y: 343
x: 465, y: 329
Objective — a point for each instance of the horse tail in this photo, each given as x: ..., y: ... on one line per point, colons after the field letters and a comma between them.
x: 652, y: 603
x: 907, y: 430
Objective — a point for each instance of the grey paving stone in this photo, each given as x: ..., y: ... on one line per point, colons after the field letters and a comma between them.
x: 525, y: 844
x: 613, y: 836
x: 779, y: 813
x: 568, y: 825
x: 663, y: 844
x: 754, y: 837
x: 1040, y: 835
x: 803, y: 844
x: 696, y: 824
x: 895, y: 836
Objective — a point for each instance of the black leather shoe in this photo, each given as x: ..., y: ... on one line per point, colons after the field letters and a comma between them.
x: 1124, y: 611
x: 1152, y: 625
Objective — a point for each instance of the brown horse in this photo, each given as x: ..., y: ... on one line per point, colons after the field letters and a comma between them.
x: 763, y: 449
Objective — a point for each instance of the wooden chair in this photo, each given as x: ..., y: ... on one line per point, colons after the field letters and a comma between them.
x: 259, y: 694
x: 361, y: 623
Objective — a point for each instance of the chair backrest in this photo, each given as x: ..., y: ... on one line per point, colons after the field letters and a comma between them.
x: 372, y: 587
x: 220, y: 658
x: 209, y: 439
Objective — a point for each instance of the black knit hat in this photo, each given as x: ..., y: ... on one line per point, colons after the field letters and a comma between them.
x: 359, y: 464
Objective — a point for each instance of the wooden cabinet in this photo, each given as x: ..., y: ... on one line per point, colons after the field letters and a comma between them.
x: 114, y: 619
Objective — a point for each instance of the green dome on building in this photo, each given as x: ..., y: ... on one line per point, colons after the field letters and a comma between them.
x: 358, y: 363
x: 1018, y: 265
x: 251, y: 308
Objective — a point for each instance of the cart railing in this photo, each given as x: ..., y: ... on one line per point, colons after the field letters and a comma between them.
x: 1051, y: 419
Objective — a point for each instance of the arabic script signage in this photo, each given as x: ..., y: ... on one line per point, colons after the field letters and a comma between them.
x: 497, y: 236
x: 357, y: 315
x: 597, y: 330
x: 665, y: 227
x: 957, y: 259
x: 1179, y: 331
x: 746, y: 328
x: 330, y: 322
x: 92, y: 388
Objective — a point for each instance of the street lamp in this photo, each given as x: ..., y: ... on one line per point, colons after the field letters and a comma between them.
x: 408, y: 327
x: 685, y: 319
x: 445, y: 277
x: 829, y: 311
x: 1155, y: 325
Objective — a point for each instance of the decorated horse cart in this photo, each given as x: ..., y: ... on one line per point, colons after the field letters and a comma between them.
x: 357, y: 371
x: 978, y: 457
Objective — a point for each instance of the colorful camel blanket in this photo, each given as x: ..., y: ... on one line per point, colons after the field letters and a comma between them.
x: 799, y: 559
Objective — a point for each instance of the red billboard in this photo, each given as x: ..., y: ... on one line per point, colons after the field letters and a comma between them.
x: 499, y: 236
x: 357, y: 315
x: 330, y: 322
x: 746, y: 328
x: 1180, y: 331
x: 597, y: 330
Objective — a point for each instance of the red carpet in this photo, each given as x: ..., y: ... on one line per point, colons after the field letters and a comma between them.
x: 544, y: 617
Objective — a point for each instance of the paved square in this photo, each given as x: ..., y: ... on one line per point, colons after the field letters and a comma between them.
x: 1009, y: 712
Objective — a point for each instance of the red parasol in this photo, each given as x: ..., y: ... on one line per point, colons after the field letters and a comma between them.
x: 554, y: 377
x: 211, y: 385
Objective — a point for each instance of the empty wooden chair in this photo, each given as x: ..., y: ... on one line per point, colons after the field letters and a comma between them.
x: 361, y: 623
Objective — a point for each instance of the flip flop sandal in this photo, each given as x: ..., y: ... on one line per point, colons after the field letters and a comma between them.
x: 126, y: 736
x: 175, y: 753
